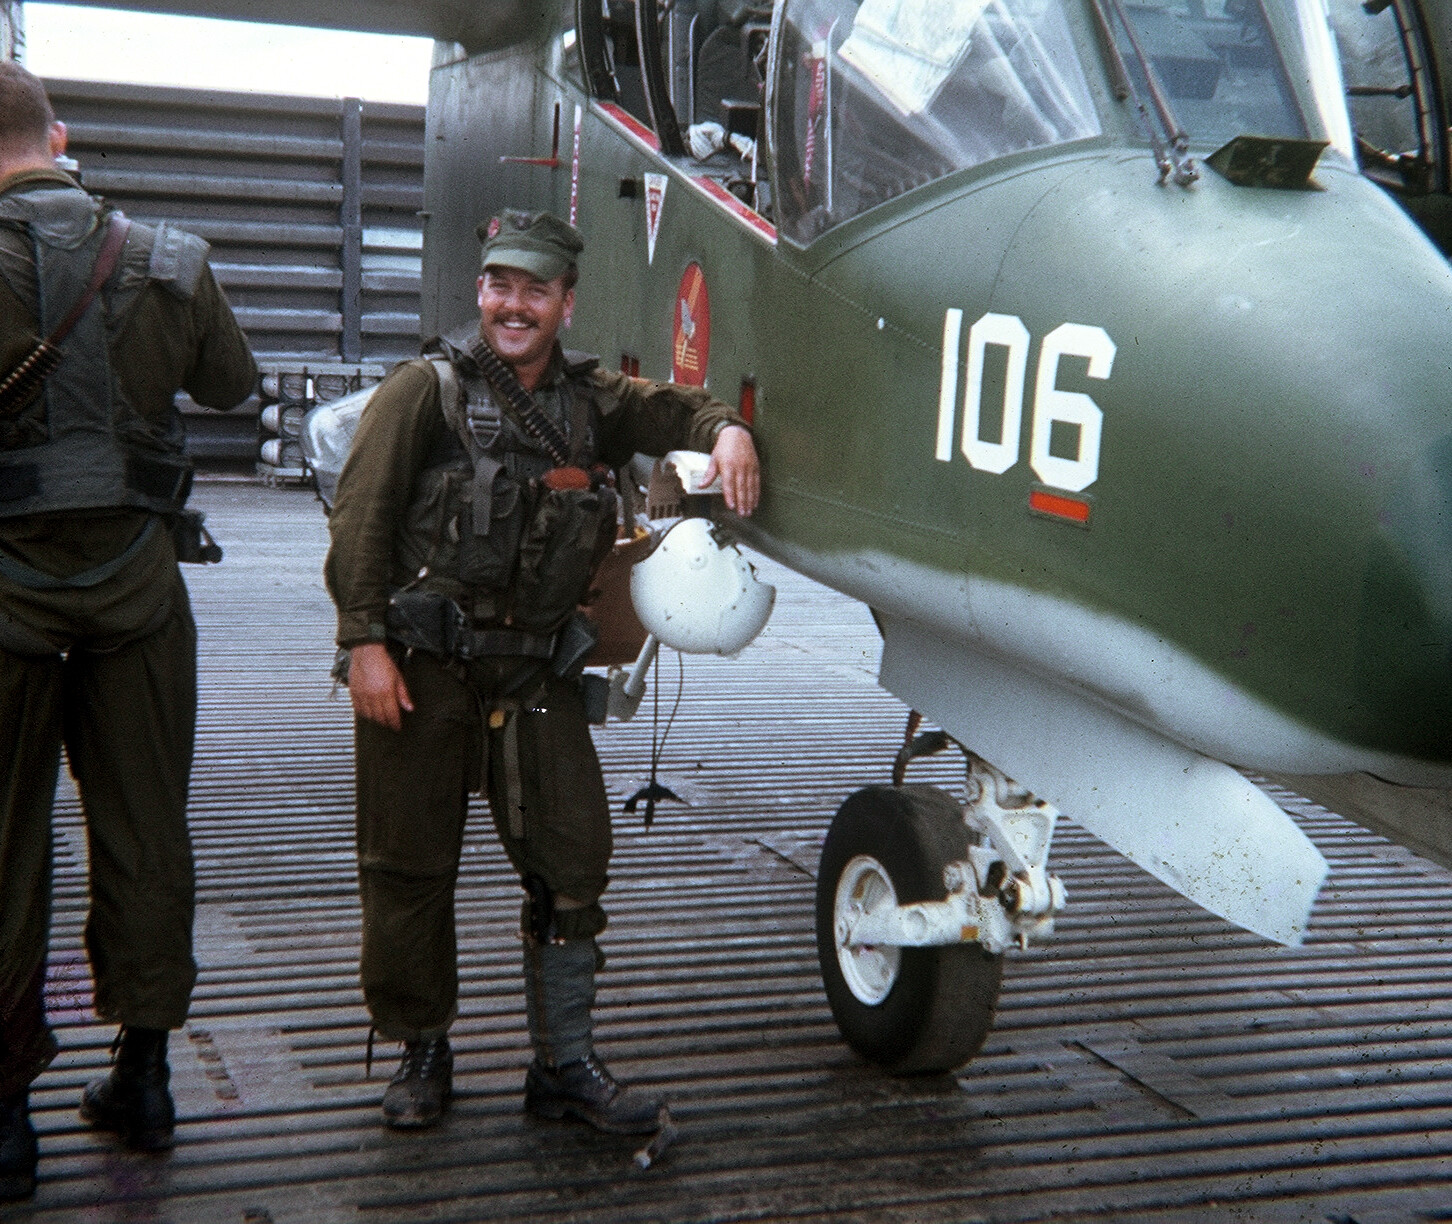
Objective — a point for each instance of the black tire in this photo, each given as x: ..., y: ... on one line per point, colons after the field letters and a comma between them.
x: 940, y: 1007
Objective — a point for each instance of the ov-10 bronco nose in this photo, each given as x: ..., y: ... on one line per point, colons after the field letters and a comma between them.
x: 1274, y: 492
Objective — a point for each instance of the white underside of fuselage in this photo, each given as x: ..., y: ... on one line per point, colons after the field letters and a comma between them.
x: 1102, y: 659
x: 1119, y: 729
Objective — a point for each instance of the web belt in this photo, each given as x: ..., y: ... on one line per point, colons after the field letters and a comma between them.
x: 481, y: 643
x: 37, y: 580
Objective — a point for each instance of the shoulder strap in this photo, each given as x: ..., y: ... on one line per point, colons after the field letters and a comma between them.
x: 582, y: 428
x: 117, y: 226
x: 38, y: 364
x: 475, y: 423
x: 456, y: 413
x: 451, y: 398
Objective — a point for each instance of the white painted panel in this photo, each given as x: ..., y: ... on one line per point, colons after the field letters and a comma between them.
x: 1192, y: 822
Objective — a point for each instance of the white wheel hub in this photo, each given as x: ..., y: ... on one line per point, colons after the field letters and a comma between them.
x: 870, y: 970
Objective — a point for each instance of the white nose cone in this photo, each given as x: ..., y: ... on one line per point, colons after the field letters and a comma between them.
x: 698, y: 596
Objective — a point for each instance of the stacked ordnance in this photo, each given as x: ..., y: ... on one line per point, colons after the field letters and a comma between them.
x: 290, y: 390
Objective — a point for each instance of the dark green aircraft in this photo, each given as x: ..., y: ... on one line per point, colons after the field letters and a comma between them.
x: 1078, y: 348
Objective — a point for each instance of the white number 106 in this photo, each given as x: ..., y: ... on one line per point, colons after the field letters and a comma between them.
x: 1050, y: 404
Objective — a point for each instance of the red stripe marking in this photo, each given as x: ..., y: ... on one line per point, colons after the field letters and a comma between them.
x: 718, y: 193
x: 631, y: 124
x: 1070, y: 508
x: 747, y: 406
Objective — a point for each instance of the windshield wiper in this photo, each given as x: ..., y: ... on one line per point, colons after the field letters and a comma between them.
x: 1174, y: 161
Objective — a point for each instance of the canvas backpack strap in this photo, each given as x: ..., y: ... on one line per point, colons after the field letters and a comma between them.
x: 451, y: 398
x: 457, y: 414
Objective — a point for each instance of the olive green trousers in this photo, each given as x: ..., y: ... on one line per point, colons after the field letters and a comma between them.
x: 125, y: 717
x: 547, y: 797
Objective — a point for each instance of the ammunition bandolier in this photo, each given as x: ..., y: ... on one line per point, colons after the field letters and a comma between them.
x: 493, y: 709
x: 97, y: 642
x: 491, y: 559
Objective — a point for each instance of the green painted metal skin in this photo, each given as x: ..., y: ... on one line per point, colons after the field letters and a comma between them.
x: 1276, y: 459
x: 1265, y: 575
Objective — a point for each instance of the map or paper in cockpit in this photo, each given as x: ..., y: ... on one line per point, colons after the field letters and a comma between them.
x: 907, y: 49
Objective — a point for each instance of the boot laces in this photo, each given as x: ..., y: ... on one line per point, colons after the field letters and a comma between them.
x: 600, y: 1074
x: 129, y: 1045
x: 419, y: 1059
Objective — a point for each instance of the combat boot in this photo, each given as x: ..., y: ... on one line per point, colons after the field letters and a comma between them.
x: 18, y: 1149
x: 585, y: 1089
x: 418, y: 1092
x: 134, y: 1100
x: 567, y: 1078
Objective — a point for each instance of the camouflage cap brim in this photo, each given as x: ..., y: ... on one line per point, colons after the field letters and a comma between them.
x: 545, y: 263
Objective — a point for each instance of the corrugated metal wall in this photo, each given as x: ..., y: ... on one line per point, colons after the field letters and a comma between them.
x: 311, y: 206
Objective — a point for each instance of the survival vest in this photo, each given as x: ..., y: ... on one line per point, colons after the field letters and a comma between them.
x: 484, y: 528
x: 79, y: 445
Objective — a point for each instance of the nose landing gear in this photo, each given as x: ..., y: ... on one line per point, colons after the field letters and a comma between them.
x: 917, y: 898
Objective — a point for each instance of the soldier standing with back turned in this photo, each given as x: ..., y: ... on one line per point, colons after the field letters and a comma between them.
x: 97, y: 644
x: 469, y: 516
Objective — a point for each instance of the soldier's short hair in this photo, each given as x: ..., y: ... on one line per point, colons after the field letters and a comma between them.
x: 25, y: 112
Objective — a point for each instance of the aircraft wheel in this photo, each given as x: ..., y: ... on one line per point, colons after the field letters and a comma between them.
x: 911, y: 1010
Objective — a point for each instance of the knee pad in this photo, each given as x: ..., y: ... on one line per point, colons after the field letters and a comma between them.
x: 543, y: 921
x: 537, y: 915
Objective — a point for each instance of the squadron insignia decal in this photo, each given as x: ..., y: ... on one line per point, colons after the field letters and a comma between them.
x: 655, y: 189
x: 691, y: 342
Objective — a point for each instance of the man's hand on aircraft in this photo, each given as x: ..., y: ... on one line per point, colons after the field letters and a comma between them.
x: 376, y: 686
x: 734, y: 459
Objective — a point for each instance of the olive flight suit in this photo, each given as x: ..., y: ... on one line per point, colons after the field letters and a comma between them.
x: 504, y: 723
x: 97, y: 643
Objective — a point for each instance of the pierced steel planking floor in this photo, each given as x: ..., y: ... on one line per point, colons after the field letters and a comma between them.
x: 1150, y: 1063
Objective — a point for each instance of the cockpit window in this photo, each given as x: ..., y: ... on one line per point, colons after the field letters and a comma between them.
x: 1384, y: 55
x: 875, y: 99
x: 1219, y: 66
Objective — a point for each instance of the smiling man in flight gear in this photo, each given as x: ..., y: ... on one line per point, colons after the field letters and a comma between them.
x: 97, y: 644
x: 474, y: 506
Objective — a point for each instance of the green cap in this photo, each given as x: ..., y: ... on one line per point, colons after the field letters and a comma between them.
x: 538, y: 243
